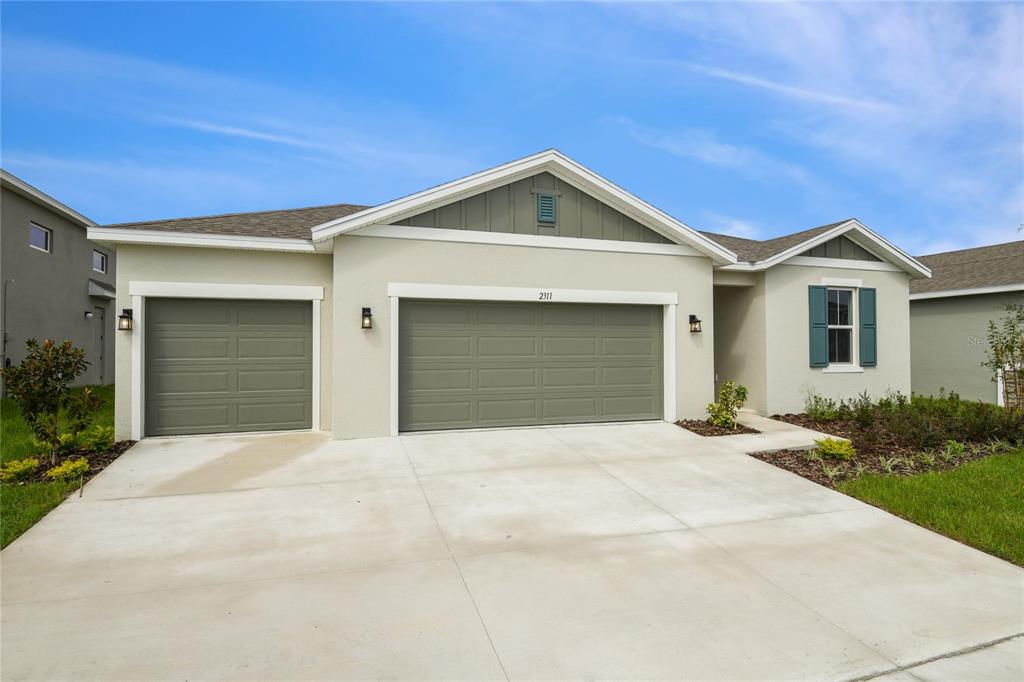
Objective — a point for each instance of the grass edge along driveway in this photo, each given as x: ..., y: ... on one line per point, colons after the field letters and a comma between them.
x: 980, y: 503
x: 21, y: 506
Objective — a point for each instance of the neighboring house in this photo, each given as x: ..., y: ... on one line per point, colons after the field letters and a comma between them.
x: 56, y: 283
x: 536, y: 292
x: 949, y: 316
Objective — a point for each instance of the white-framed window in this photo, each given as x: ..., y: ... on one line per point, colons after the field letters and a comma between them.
x: 841, y: 321
x: 40, y: 238
x: 99, y: 261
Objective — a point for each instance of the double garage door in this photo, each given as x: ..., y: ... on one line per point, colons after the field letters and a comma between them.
x: 221, y: 366
x: 483, y: 364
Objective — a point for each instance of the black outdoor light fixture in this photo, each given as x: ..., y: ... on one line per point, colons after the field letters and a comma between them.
x: 694, y: 324
x: 124, y: 320
x: 367, y: 319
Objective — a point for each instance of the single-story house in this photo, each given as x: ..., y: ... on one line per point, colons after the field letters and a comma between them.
x: 949, y: 316
x: 536, y: 292
x: 56, y: 284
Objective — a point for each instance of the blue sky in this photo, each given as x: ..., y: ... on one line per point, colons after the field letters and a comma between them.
x: 754, y: 120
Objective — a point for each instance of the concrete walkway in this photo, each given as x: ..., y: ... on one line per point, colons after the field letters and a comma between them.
x: 625, y: 551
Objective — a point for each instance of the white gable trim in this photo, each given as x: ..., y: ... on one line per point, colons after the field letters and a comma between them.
x: 531, y: 240
x: 113, y: 235
x: 858, y: 232
x: 948, y: 293
x: 550, y: 161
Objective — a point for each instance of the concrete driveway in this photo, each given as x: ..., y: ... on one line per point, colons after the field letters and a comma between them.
x: 620, y: 551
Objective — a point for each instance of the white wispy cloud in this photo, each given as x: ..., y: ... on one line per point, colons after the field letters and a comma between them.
x: 704, y: 145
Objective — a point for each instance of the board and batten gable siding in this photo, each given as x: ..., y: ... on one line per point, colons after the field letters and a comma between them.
x: 512, y: 209
x: 842, y: 247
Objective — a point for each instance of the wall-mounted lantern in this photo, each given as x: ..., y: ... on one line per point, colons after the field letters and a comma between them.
x: 367, y: 319
x: 124, y: 320
x: 89, y: 314
x: 694, y: 324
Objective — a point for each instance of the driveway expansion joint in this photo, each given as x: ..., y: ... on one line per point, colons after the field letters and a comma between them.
x: 909, y: 667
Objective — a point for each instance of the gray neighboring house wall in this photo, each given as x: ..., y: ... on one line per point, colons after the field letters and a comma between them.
x: 949, y: 316
x: 56, y: 293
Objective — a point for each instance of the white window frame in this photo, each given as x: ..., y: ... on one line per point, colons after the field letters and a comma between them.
x: 854, y: 350
x: 105, y: 260
x: 49, y: 237
x: 669, y: 301
x: 139, y: 291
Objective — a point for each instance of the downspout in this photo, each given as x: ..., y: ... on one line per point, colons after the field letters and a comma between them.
x: 5, y: 335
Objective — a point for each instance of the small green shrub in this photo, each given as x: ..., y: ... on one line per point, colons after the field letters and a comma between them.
x: 831, y: 471
x: 68, y: 470
x: 821, y: 409
x: 18, y: 470
x: 731, y: 397
x: 835, y: 449
x: 97, y: 439
x: 954, y: 448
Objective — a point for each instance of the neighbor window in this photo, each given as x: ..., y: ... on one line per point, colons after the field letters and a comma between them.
x: 99, y: 261
x: 840, y: 326
x: 40, y: 238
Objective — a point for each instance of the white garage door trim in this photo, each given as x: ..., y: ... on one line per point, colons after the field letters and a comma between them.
x: 140, y: 290
x: 667, y: 299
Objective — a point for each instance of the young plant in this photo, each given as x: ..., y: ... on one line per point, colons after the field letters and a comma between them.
x: 831, y: 471
x: 18, y: 470
x: 1004, y: 356
x: 927, y: 458
x: 41, y: 388
x: 835, y: 449
x: 97, y: 439
x: 820, y: 409
x: 889, y: 464
x: 731, y: 397
x: 68, y: 470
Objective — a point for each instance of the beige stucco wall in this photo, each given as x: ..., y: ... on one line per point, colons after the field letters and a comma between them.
x: 949, y: 338
x: 789, y: 376
x: 363, y: 267
x: 740, y: 339
x: 218, y: 266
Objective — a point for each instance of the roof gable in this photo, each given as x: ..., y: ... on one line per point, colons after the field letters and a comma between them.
x: 550, y: 161
x: 513, y: 208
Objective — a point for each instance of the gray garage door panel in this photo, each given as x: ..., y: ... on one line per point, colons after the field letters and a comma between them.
x: 216, y: 366
x: 476, y: 364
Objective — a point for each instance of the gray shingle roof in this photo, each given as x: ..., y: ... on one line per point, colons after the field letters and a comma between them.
x: 753, y: 250
x: 985, y: 266
x: 294, y: 223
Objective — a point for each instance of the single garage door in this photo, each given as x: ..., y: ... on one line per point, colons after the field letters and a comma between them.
x: 218, y: 366
x: 478, y: 364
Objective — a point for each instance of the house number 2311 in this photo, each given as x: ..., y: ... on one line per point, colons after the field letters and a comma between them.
x: 546, y: 295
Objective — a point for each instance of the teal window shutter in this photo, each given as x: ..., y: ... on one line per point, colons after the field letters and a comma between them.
x: 818, y: 316
x: 546, y: 208
x: 868, y: 328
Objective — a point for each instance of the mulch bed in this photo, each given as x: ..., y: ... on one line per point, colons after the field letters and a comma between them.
x: 98, y: 461
x: 882, y: 457
x: 704, y: 428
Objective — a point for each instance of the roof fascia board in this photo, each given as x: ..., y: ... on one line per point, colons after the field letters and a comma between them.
x: 550, y: 161
x: 218, y: 241
x: 19, y: 186
x: 973, y: 291
x: 891, y: 253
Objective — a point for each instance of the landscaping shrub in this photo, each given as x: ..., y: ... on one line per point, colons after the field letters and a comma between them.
x: 918, y: 422
x: 68, y: 470
x: 821, y: 409
x: 731, y: 397
x: 18, y: 470
x: 41, y: 388
x: 97, y: 439
x: 836, y: 449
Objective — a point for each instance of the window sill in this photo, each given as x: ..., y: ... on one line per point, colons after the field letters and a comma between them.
x: 843, y: 369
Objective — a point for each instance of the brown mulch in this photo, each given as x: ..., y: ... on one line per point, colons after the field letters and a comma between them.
x: 98, y: 461
x: 837, y: 427
x: 704, y: 428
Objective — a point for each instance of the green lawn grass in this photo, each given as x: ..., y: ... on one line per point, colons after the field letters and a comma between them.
x: 980, y: 503
x: 22, y: 505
